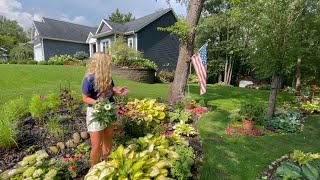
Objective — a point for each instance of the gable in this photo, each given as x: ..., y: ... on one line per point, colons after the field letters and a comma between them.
x: 104, y: 28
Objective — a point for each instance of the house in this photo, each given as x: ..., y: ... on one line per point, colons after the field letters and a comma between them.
x: 53, y: 37
x: 141, y: 34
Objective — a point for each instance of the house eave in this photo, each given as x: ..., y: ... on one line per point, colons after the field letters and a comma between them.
x: 65, y: 40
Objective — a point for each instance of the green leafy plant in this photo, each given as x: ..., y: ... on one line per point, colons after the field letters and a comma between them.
x: 10, y: 114
x: 121, y: 51
x: 311, y: 107
x: 181, y: 169
x: 81, y: 55
x: 251, y: 111
x: 21, y: 53
x: 149, y: 157
x: 61, y: 60
x: 290, y: 122
x: 182, y: 116
x: 42, y: 63
x: 184, y: 129
x: 166, y: 76
x: 137, y: 63
x: 188, y: 100
x: 146, y: 110
x: 54, y: 128
x: 54, y: 103
x: 302, y: 158
x: 38, y: 107
x: 192, y: 78
x: 105, y: 113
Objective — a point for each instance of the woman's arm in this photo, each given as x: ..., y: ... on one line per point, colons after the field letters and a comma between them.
x: 87, y: 99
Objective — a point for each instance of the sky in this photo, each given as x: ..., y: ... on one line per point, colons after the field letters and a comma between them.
x: 86, y: 12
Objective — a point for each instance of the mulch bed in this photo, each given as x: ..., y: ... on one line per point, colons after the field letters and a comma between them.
x: 31, y: 134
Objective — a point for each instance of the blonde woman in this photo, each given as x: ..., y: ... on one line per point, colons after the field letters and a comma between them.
x: 98, y: 84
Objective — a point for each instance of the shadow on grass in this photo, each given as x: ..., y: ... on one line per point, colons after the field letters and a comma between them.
x: 244, y: 158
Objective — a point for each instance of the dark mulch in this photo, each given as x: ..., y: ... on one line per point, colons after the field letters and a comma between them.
x: 31, y: 134
x: 270, y: 173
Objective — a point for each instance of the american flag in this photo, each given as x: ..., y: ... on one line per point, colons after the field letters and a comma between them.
x: 199, y: 61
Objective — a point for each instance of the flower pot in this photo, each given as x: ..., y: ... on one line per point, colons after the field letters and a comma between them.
x: 248, y: 125
x: 189, y: 106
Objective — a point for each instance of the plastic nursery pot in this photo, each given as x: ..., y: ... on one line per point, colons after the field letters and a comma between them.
x: 248, y: 125
x: 189, y: 106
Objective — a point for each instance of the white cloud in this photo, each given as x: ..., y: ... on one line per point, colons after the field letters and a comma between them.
x: 11, y: 9
x: 78, y: 19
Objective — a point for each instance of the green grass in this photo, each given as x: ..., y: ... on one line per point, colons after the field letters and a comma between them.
x: 26, y: 80
x: 225, y: 158
x: 228, y: 158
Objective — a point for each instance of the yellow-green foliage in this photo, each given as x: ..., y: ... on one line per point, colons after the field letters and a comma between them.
x: 54, y: 128
x: 54, y: 102
x: 302, y: 158
x: 184, y: 129
x: 146, y: 110
x: 38, y: 107
x: 146, y: 158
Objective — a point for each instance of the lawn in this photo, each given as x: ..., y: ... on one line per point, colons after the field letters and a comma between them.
x: 225, y: 157
x: 26, y: 80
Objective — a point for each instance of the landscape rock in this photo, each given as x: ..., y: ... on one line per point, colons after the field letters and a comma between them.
x: 54, y: 149
x: 84, y: 135
x: 70, y: 144
x: 61, y: 146
x: 5, y: 175
x: 76, y: 137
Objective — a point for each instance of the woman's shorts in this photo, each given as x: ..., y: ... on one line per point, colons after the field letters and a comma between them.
x: 93, y: 126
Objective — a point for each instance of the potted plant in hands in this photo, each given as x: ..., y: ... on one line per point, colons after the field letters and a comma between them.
x: 189, y: 102
x: 250, y: 113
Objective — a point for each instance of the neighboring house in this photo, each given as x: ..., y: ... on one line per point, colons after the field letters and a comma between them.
x: 141, y: 34
x: 53, y: 37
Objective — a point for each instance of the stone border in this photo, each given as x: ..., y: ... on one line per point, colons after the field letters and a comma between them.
x: 135, y: 74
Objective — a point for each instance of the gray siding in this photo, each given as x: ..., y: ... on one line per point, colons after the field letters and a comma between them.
x: 53, y: 47
x: 111, y: 37
x: 104, y: 28
x: 158, y: 46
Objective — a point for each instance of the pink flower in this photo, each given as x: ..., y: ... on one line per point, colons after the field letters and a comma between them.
x: 42, y: 97
x: 168, y: 133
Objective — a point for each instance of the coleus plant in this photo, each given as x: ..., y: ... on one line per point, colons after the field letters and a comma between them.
x: 146, y: 110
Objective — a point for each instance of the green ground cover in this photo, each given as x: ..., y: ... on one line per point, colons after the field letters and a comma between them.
x: 225, y: 157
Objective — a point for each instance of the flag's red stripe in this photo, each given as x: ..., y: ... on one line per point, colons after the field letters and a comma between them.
x: 201, y: 72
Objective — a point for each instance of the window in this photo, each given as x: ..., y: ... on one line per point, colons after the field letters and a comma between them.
x: 130, y: 42
x: 104, y: 44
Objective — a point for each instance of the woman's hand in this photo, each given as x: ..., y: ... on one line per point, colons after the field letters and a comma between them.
x: 120, y: 91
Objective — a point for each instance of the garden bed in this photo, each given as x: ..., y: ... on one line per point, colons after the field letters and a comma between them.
x: 33, y: 139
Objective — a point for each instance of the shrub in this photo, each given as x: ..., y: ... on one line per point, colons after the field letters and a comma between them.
x: 311, y: 107
x: 38, y: 107
x: 32, y: 62
x: 22, y: 62
x: 137, y: 63
x: 61, y: 60
x: 121, y: 51
x: 251, y: 111
x: 81, y: 55
x: 289, y: 122
x: 192, y: 78
x: 166, y: 76
x: 43, y: 63
x: 20, y: 53
x: 13, y: 62
x: 3, y: 62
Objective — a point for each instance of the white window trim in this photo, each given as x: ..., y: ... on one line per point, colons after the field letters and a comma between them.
x: 131, y: 39
x: 103, y: 41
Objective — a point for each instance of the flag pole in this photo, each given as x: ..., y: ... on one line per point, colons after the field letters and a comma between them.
x: 188, y: 77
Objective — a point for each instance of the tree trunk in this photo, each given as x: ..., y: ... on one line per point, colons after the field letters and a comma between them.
x: 220, y: 77
x: 298, y: 75
x: 178, y: 86
x: 275, y: 84
x: 225, y: 78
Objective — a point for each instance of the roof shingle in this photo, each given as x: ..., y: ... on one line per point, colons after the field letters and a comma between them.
x: 56, y: 29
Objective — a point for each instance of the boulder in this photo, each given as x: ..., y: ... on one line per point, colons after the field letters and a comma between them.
x: 70, y: 144
x: 84, y: 135
x: 76, y: 137
x: 61, y: 146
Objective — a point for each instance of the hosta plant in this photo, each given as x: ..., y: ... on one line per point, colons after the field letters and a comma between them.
x: 184, y: 129
x: 146, y: 110
x: 149, y: 157
x: 181, y: 116
x: 311, y: 107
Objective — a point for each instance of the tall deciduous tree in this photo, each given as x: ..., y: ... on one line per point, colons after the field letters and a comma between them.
x: 120, y: 17
x: 178, y: 86
x: 12, y: 29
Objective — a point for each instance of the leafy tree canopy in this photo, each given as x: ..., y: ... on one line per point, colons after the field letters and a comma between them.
x: 121, y: 17
x: 12, y: 29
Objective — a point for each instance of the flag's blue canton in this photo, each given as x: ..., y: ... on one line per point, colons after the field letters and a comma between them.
x: 203, y: 54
